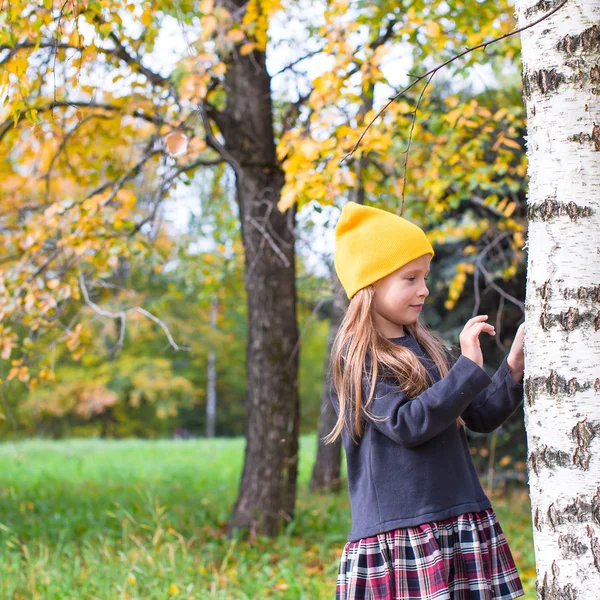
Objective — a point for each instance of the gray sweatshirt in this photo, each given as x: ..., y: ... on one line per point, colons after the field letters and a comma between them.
x: 416, y: 466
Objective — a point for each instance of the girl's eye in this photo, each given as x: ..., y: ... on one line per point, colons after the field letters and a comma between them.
x: 413, y: 278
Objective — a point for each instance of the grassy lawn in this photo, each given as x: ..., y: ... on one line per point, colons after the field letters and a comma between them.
x: 133, y: 520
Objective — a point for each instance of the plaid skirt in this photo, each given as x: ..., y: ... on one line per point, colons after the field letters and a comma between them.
x: 461, y: 558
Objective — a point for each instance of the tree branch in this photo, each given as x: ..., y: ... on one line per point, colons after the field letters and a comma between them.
x: 122, y: 316
x: 436, y: 69
x: 5, y: 127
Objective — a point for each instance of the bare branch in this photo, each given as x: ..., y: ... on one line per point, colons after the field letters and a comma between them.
x: 122, y: 316
x: 412, y: 126
x: 436, y: 69
x: 121, y: 52
x: 270, y: 241
x: 216, y: 145
x: 479, y: 267
x: 8, y: 123
x: 297, y: 61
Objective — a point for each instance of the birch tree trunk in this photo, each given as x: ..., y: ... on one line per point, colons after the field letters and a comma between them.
x: 211, y: 396
x: 561, y: 90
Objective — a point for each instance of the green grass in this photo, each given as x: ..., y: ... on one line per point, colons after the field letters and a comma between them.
x: 133, y: 520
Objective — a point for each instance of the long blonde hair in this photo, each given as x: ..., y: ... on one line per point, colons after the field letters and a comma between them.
x: 359, y: 349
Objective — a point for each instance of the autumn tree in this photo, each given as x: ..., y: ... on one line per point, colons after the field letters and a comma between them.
x: 79, y: 157
x: 448, y: 158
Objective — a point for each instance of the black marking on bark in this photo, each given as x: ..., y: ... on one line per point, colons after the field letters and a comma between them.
x: 553, y: 591
x: 596, y: 507
x: 582, y: 434
x: 550, y: 208
x: 572, y: 386
x: 586, y: 41
x: 595, y: 546
x: 570, y: 546
x: 528, y: 392
x: 591, y: 293
x: 536, y: 519
x: 597, y: 384
x: 545, y: 290
x: 577, y: 510
x: 546, y: 457
x: 569, y: 320
x: 595, y: 79
x: 554, y: 385
x: 596, y: 137
x: 541, y: 6
x: 588, y: 138
x: 553, y: 518
x: 543, y: 80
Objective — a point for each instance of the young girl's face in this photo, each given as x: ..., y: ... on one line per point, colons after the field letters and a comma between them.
x: 399, y: 296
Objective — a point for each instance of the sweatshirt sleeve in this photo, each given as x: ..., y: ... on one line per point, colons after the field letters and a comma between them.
x: 492, y: 407
x: 411, y: 422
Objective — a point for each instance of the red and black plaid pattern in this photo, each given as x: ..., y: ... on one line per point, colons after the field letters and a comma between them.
x: 461, y: 558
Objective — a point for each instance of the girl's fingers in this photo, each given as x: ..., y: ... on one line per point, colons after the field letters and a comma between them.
x: 477, y: 318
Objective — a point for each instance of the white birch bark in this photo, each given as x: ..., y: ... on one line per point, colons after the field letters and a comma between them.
x: 211, y: 394
x: 561, y: 90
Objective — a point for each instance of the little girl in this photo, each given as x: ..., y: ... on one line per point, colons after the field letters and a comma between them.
x: 422, y: 526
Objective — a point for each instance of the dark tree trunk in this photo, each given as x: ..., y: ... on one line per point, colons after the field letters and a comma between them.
x: 326, y: 471
x: 268, y: 486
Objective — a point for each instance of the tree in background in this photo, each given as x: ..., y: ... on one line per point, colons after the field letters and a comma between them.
x: 72, y: 153
x: 464, y: 182
x: 89, y: 167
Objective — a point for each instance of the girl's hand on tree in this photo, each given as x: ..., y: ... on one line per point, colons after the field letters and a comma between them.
x: 516, y: 357
x: 469, y: 338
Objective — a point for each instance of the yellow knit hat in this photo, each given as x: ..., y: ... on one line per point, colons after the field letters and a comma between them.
x: 371, y: 243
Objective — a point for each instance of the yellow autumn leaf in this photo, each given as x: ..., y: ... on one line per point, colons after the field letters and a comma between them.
x: 510, y: 143
x: 147, y: 16
x: 126, y: 197
x: 176, y: 143
x: 197, y: 144
x: 219, y: 69
x: 236, y: 35
x: 246, y: 49
x: 432, y: 29
x: 510, y: 209
x: 4, y: 82
x: 19, y: 65
x: 207, y: 6
x: 288, y: 197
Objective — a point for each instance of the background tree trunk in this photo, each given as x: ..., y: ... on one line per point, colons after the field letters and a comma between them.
x: 561, y: 87
x: 211, y: 395
x: 268, y: 485
x: 326, y: 470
